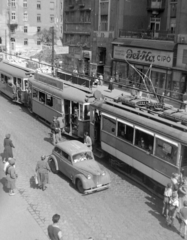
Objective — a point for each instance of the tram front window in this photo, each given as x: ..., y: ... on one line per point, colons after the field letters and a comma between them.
x: 144, y: 140
x: 166, y: 151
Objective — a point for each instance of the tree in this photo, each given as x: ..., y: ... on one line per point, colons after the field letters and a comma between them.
x: 45, y: 36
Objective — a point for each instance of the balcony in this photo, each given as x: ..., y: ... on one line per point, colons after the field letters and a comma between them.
x: 156, y: 6
x: 141, y: 34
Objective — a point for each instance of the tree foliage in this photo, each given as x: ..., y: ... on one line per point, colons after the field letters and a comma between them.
x: 45, y: 35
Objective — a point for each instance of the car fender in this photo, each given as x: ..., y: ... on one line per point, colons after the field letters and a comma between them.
x: 55, y: 160
x: 83, y: 179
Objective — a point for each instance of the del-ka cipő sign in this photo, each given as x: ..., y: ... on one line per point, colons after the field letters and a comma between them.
x: 160, y: 58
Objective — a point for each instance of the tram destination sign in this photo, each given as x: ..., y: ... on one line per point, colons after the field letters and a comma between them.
x: 49, y: 80
x: 141, y: 55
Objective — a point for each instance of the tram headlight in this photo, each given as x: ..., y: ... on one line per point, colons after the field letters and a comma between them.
x: 103, y: 173
x: 89, y: 176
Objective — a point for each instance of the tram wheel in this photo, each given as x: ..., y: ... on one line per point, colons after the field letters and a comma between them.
x: 52, y: 165
x: 79, y: 186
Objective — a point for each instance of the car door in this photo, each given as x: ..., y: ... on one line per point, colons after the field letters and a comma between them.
x: 66, y: 165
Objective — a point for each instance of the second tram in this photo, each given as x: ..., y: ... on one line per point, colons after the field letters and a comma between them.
x: 151, y: 146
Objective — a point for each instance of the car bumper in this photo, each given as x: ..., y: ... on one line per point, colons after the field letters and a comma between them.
x: 96, y: 189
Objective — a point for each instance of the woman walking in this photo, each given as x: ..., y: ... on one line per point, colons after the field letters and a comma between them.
x: 42, y: 169
x: 11, y: 176
x: 110, y: 86
x: 8, y: 145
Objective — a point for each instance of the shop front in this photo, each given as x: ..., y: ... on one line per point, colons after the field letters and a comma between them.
x: 132, y: 63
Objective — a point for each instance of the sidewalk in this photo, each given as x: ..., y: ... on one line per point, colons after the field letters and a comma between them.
x: 16, y: 223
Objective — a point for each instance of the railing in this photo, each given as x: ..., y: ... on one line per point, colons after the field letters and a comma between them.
x: 147, y: 34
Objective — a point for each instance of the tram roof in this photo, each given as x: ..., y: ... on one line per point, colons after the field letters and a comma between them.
x: 153, y: 125
x: 68, y: 92
x: 14, y: 70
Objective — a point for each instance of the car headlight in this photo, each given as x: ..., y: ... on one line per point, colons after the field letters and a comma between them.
x: 89, y: 176
x: 103, y: 173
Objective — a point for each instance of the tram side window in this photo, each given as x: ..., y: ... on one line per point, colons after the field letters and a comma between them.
x: 35, y: 93
x: 86, y: 112
x: 144, y: 141
x: 109, y: 125
x: 166, y: 151
x: 42, y: 97
x: 49, y: 100
x: 184, y: 156
x: 2, y: 78
x: 125, y: 132
x: 57, y: 104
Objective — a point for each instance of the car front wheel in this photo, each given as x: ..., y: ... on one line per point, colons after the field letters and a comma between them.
x: 52, y: 165
x: 79, y: 186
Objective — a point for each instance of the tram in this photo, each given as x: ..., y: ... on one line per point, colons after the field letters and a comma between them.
x: 51, y: 97
x: 150, y: 146
x: 14, y: 81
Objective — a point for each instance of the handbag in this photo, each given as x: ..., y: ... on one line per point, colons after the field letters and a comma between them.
x: 36, y: 179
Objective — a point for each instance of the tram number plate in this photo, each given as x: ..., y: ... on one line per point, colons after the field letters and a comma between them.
x: 99, y: 185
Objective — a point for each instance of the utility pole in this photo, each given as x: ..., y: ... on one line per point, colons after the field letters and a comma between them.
x: 5, y: 45
x: 52, y: 61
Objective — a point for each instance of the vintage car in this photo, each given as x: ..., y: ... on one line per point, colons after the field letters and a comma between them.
x: 75, y: 160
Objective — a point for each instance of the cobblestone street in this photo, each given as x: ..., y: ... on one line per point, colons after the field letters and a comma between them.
x: 124, y: 211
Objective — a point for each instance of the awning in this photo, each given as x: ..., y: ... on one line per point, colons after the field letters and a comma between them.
x: 145, y: 43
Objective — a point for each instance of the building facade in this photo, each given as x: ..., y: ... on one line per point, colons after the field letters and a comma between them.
x: 160, y: 47
x: 77, y: 33
x: 21, y: 20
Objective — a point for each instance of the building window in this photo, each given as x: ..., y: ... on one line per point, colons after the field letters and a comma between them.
x: 155, y: 24
x: 25, y: 29
x: 13, y: 3
x: 38, y: 5
x: 52, y: 5
x: 104, y: 13
x: 25, y: 16
x: 38, y: 18
x: 38, y: 29
x: 24, y: 3
x: 38, y: 42
x: 13, y: 16
x: 25, y: 41
x: 52, y: 18
x: 173, y: 10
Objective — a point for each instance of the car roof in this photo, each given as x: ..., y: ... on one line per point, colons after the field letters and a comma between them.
x: 72, y: 147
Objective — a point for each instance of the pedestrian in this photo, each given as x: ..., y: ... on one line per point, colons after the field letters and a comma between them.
x: 183, y: 218
x: 110, y: 86
x: 183, y: 193
x: 172, y: 208
x: 87, y: 141
x: 8, y: 145
x: 6, y: 164
x: 42, y: 169
x: 101, y: 79
x: 175, y: 182
x: 11, y: 176
x: 54, y: 231
x: 167, y: 195
x: 55, y: 131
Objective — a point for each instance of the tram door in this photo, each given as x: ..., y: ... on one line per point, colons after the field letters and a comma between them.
x: 71, y: 117
x: 67, y: 118
x: 95, y: 126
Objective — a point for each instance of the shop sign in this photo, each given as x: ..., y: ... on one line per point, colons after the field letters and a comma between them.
x: 160, y: 58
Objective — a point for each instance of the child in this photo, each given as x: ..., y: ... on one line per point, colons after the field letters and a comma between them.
x: 167, y: 195
x: 172, y: 209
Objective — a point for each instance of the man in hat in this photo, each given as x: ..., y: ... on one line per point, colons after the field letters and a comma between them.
x: 55, y: 131
x: 183, y: 217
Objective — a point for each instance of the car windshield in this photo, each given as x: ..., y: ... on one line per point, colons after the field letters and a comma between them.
x: 84, y: 156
